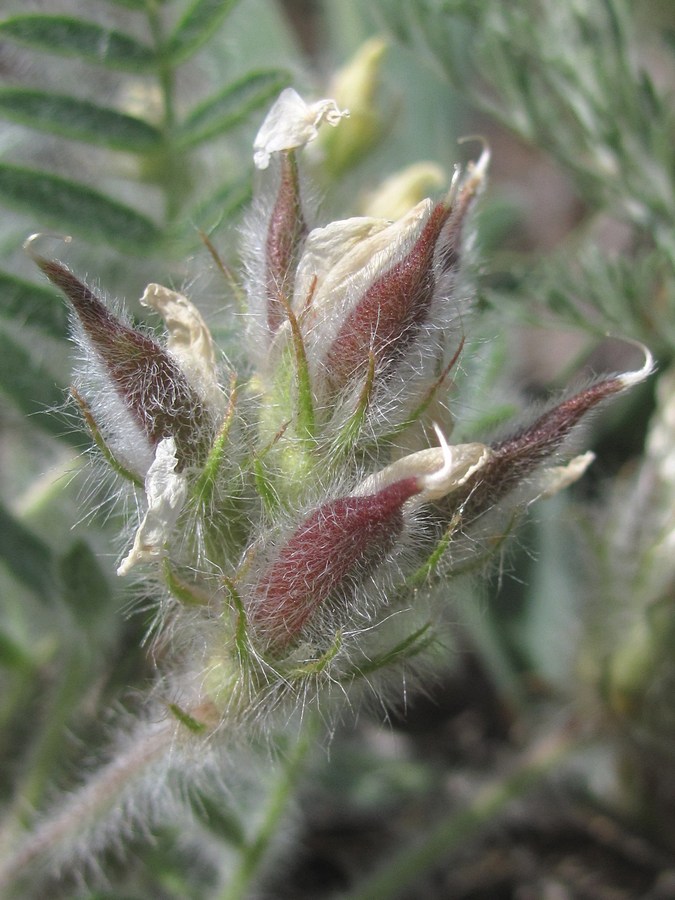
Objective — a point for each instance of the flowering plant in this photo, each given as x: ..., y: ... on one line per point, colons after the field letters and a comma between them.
x: 294, y: 542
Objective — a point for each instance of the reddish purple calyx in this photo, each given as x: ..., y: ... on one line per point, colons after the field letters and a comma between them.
x: 146, y: 378
x: 515, y: 458
x: 285, y: 232
x: 330, y: 552
x: 386, y: 319
x: 526, y: 449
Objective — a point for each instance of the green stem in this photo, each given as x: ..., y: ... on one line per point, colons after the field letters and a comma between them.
x: 253, y: 853
x: 171, y: 168
x: 451, y: 832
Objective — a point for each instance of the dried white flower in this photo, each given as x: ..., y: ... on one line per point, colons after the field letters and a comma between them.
x: 166, y: 491
x: 292, y: 123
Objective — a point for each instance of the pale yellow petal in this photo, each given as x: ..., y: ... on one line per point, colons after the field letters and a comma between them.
x: 552, y: 480
x: 441, y: 470
x: 189, y: 340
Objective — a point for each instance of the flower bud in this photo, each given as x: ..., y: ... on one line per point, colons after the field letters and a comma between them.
x: 374, y: 296
x: 402, y: 190
x: 386, y: 317
x: 515, y: 458
x: 146, y: 378
x: 354, y: 86
x: 333, y: 549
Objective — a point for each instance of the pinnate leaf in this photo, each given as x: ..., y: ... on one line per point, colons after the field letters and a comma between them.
x: 13, y: 655
x: 32, y: 389
x: 76, y: 208
x: 79, y: 119
x: 85, y: 587
x: 200, y: 21
x: 27, y: 557
x: 222, y: 205
x: 32, y: 304
x: 67, y: 36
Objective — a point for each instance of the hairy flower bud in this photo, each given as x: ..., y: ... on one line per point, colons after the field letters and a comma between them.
x: 373, y: 296
x: 515, y: 458
x: 146, y: 378
x: 334, y: 547
x: 386, y: 316
x: 341, y: 541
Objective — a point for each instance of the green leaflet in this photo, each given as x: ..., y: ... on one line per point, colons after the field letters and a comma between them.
x: 27, y: 557
x: 231, y: 105
x: 32, y: 304
x: 73, y: 207
x: 32, y: 390
x: 186, y: 719
x: 79, y: 119
x: 195, y: 28
x: 407, y: 648
x: 86, y: 40
x: 140, y: 5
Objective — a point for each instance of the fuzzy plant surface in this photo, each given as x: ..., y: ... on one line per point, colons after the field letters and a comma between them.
x: 295, y: 497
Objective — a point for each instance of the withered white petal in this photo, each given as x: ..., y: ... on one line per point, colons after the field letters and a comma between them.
x: 189, y: 340
x: 166, y: 491
x: 292, y: 123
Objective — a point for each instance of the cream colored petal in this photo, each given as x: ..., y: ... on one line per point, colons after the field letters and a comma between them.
x: 326, y: 247
x: 166, y: 491
x: 189, y: 340
x: 355, y: 264
x: 292, y: 123
x: 554, y: 479
x: 441, y: 470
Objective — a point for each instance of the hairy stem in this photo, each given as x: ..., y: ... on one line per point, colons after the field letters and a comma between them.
x: 86, y: 808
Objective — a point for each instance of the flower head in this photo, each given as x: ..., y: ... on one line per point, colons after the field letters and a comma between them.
x: 286, y: 512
